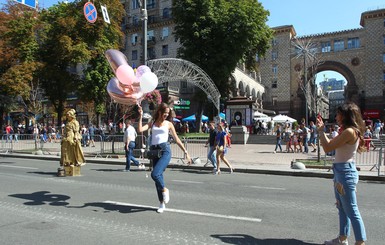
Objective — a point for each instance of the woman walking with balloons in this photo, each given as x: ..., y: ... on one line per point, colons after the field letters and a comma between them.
x: 161, y: 126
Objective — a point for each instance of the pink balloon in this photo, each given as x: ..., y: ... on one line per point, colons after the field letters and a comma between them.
x: 125, y: 74
x: 130, y: 96
x: 141, y: 70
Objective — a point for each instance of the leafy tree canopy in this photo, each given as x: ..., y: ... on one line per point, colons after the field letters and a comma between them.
x: 218, y: 34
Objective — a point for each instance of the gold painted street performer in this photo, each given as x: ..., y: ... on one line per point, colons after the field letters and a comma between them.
x: 71, y: 151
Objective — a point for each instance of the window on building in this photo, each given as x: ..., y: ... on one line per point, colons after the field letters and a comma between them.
x: 134, y: 38
x: 274, y: 83
x: 150, y: 35
x: 134, y: 4
x: 383, y: 76
x: 339, y: 45
x: 135, y: 20
x: 274, y: 55
x: 164, y: 49
x: 325, y: 47
x: 151, y: 4
x: 165, y: 32
x: 275, y: 70
x: 274, y: 100
x: 383, y: 58
x: 151, y: 19
x: 353, y: 43
x: 166, y: 13
x: 134, y: 54
x: 151, y: 53
x: 383, y: 38
x: 274, y: 42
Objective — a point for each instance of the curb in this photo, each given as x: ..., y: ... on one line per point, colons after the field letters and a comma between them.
x: 295, y: 173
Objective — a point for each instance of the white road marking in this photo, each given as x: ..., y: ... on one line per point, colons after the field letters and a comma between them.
x: 187, y: 181
x: 189, y: 212
x: 267, y: 188
x: 12, y: 166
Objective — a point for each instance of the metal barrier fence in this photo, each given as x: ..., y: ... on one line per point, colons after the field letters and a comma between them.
x: 105, y: 146
x: 373, y: 157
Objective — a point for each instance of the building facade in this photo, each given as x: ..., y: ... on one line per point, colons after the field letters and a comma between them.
x: 161, y: 43
x: 357, y: 54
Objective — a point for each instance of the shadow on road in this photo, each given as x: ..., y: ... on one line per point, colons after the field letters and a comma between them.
x: 246, y: 239
x: 44, y: 173
x: 42, y: 198
x: 114, y: 207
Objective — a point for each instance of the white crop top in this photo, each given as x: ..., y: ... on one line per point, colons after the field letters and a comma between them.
x: 346, y: 153
x: 159, y: 135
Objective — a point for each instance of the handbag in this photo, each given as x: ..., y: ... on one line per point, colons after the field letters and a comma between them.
x: 220, y: 149
x: 154, y: 154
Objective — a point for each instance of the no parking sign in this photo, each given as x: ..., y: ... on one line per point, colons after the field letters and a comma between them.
x: 90, y: 12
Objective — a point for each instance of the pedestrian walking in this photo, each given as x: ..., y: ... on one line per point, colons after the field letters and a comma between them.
x: 221, y: 146
x: 278, y: 132
x: 129, y: 145
x: 211, y: 155
x: 161, y: 127
x: 346, y: 144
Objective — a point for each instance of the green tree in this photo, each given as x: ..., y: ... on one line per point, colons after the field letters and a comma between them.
x: 19, y: 63
x: 97, y: 73
x: 73, y: 46
x: 217, y: 35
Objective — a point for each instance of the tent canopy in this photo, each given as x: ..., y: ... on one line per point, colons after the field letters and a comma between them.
x: 283, y: 118
x: 192, y: 118
x: 259, y: 114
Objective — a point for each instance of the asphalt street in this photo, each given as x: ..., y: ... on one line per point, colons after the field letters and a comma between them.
x: 108, y: 206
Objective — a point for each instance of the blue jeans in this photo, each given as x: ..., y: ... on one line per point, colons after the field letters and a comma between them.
x: 129, y: 155
x: 159, y: 165
x: 345, y: 182
x: 212, y: 157
x: 306, y: 144
x: 278, y: 144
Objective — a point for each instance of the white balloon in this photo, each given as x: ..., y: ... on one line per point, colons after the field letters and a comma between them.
x: 148, y: 82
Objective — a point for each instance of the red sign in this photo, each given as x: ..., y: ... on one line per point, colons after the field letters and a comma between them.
x: 371, y: 113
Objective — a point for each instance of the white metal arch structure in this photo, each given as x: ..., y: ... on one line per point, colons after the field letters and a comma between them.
x: 173, y: 71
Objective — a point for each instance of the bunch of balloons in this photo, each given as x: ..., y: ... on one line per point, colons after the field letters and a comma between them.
x: 129, y: 86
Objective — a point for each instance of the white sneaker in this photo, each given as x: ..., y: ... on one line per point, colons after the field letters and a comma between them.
x: 161, y: 208
x: 336, y: 241
x: 141, y: 166
x: 166, y: 195
x: 207, y: 165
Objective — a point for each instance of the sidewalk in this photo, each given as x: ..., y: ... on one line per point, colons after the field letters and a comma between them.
x: 250, y: 158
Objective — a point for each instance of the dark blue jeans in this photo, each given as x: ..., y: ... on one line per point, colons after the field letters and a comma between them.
x: 129, y: 155
x: 278, y: 144
x: 345, y: 182
x: 159, y: 166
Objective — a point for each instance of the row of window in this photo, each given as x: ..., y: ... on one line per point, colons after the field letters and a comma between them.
x: 151, y: 35
x: 150, y: 53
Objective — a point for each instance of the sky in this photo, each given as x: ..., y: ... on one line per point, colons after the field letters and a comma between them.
x: 307, y: 16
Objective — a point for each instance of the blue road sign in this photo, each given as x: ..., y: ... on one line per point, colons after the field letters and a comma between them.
x: 29, y: 3
x: 90, y: 12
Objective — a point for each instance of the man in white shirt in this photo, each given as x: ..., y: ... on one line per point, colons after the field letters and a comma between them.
x: 129, y: 145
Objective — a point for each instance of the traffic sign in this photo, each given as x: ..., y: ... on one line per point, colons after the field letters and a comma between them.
x: 29, y: 3
x: 90, y: 12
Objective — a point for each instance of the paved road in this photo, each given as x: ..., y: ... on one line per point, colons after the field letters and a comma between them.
x: 108, y: 206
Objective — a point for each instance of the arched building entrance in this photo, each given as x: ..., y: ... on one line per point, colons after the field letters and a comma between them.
x: 357, y: 54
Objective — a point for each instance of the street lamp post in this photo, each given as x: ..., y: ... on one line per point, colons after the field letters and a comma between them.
x: 143, y: 10
x: 304, y: 53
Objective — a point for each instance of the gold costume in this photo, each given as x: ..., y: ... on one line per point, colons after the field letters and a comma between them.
x: 71, y: 150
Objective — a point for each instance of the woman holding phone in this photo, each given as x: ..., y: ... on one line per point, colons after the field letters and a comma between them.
x: 346, y: 144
